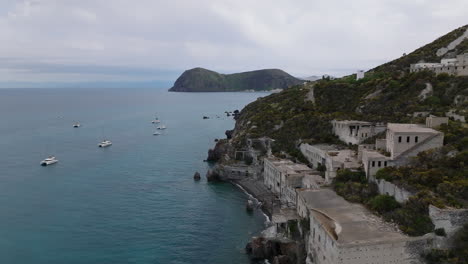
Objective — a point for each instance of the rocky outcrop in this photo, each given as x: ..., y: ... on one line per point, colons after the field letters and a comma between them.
x: 280, y: 251
x: 203, y: 80
x: 212, y: 176
x: 229, y: 133
x: 219, y: 150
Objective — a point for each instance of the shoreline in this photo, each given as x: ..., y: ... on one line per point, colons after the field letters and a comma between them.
x: 255, y: 189
x: 252, y: 196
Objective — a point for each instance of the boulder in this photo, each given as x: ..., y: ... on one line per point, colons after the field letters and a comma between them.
x: 249, y: 206
x: 197, y: 176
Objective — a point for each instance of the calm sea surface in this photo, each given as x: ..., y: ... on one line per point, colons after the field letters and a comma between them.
x: 134, y: 202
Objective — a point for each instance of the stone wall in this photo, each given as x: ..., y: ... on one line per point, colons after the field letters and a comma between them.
x: 401, y: 195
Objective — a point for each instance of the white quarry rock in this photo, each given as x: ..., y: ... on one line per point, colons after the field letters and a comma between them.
x: 442, y: 51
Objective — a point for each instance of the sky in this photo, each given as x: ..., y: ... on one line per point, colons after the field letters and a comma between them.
x: 66, y: 43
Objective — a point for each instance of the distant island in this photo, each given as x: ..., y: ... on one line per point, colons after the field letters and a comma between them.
x: 203, y: 80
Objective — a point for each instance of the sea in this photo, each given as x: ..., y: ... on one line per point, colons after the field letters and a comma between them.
x: 133, y: 202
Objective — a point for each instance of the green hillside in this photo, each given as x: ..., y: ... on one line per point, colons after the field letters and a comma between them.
x: 388, y: 93
x: 427, y: 53
x: 203, y: 80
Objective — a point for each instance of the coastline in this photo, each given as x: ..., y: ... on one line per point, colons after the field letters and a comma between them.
x: 257, y: 190
x: 254, y: 195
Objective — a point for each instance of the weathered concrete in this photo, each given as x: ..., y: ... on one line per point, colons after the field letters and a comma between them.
x: 448, y: 219
x: 342, y: 232
x: 401, y: 195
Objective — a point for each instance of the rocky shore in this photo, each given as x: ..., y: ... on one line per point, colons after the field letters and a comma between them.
x: 275, y: 243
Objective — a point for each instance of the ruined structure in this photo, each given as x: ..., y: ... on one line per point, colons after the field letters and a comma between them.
x: 283, y: 177
x: 330, y: 158
x: 343, y: 232
x: 354, y: 132
x: 454, y: 66
x: 402, y: 142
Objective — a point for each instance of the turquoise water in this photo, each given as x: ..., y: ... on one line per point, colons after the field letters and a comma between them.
x: 134, y: 202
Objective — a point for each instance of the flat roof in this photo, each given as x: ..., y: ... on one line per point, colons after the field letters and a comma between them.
x: 410, y: 128
x: 356, y: 225
x: 375, y: 154
x: 353, y: 122
x: 326, y: 147
x: 290, y: 167
x: 346, y: 157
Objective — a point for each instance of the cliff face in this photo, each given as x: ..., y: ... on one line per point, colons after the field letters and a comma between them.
x: 203, y: 80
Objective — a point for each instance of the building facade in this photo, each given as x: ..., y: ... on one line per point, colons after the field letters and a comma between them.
x: 346, y: 233
x: 402, y: 142
x: 331, y: 158
x: 456, y: 66
x: 410, y: 139
x: 283, y: 177
x: 435, y: 121
x: 354, y: 132
x: 359, y: 75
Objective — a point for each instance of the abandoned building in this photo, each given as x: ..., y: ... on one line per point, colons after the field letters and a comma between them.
x: 344, y: 232
x: 454, y: 66
x: 402, y: 142
x: 435, y: 121
x: 329, y: 158
x: 354, y: 132
x: 283, y: 177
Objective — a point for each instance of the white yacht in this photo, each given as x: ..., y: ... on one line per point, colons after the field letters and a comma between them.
x: 76, y: 124
x: 161, y: 127
x: 105, y: 143
x: 49, y: 161
x: 156, y: 133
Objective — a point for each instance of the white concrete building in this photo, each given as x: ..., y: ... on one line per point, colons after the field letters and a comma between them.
x: 331, y: 157
x: 435, y: 121
x: 354, y: 132
x: 347, y: 233
x: 372, y: 161
x: 359, y: 75
x: 402, y: 142
x: 455, y: 66
x: 407, y: 140
x: 283, y: 177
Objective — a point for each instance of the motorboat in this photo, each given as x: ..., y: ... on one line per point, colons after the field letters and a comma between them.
x: 156, y: 133
x: 161, y: 127
x: 105, y: 143
x: 49, y: 161
x: 76, y: 124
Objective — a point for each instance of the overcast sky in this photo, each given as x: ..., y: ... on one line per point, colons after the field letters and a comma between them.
x: 73, y: 41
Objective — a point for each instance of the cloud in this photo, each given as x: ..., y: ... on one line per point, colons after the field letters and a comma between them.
x: 51, y: 40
